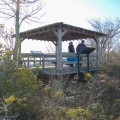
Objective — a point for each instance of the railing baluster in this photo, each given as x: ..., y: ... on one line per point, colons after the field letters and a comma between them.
x: 43, y: 62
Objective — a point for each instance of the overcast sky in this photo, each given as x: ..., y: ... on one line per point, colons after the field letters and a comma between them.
x: 73, y: 12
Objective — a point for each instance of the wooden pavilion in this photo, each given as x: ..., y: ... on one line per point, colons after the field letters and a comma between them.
x: 57, y: 33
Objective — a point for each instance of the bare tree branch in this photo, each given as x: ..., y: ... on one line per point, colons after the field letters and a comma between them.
x: 112, y: 29
x: 28, y: 10
x: 9, y: 5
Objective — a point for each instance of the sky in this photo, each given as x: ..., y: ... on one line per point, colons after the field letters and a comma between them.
x: 73, y: 12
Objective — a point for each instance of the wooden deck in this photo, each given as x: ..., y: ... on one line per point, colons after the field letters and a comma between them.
x: 47, y: 62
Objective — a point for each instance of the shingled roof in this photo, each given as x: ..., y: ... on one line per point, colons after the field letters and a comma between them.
x: 46, y: 33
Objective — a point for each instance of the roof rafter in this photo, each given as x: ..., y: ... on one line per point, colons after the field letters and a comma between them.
x: 46, y: 33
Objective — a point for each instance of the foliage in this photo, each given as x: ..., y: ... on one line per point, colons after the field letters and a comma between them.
x: 114, y: 70
x: 78, y: 113
x: 17, y: 85
x: 10, y: 99
x: 90, y: 101
x: 21, y: 92
x: 88, y: 76
x: 17, y: 80
x: 79, y: 101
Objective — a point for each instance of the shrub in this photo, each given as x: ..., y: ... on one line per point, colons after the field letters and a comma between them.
x: 114, y: 70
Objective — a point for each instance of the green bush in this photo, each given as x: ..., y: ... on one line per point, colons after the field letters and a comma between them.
x: 114, y: 70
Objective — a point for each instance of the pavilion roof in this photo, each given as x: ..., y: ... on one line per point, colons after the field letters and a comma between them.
x: 46, y: 33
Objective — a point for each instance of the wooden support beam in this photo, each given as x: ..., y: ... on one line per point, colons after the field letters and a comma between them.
x: 59, y: 33
x: 97, y: 51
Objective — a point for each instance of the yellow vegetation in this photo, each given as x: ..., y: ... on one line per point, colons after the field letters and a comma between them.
x: 78, y: 112
x: 58, y: 93
x: 88, y: 76
x: 10, y: 99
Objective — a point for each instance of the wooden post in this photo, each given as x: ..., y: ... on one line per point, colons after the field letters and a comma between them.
x: 28, y: 61
x: 43, y: 62
x: 34, y: 62
x: 59, y: 33
x: 59, y: 52
x: 56, y: 55
x: 98, y: 51
x: 55, y: 43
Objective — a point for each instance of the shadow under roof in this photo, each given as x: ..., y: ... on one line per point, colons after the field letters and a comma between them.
x: 45, y: 33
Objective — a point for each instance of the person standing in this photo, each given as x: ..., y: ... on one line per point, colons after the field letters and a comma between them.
x: 80, y: 47
x: 71, y: 48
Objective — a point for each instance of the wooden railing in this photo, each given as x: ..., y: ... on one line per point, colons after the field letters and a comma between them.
x: 70, y: 62
x: 33, y: 60
x: 49, y: 60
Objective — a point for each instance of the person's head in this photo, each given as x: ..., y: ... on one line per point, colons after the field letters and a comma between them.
x: 71, y: 43
x: 82, y: 42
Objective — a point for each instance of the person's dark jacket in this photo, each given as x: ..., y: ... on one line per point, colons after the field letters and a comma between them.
x: 71, y: 49
x: 80, y: 48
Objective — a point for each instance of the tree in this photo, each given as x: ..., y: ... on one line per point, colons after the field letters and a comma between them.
x: 22, y: 11
x: 111, y: 41
x: 28, y: 10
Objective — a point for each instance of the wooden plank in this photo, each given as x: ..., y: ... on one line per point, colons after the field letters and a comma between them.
x: 69, y: 70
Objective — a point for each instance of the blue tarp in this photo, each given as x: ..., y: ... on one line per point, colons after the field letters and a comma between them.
x: 72, y: 59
